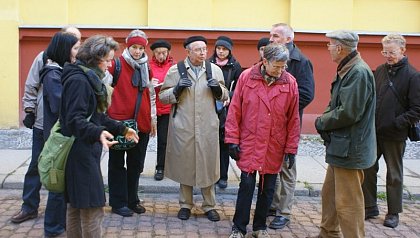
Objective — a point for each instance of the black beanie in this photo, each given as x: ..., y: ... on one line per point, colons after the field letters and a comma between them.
x: 263, y: 42
x: 192, y: 39
x: 224, y: 41
x: 160, y: 43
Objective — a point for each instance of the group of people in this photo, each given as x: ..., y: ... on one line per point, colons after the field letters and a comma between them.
x: 207, y: 110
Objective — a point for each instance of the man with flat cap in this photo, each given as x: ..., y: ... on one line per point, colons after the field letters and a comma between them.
x: 192, y: 152
x: 348, y: 129
x: 159, y: 65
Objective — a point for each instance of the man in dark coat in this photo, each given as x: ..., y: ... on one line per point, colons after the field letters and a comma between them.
x: 348, y: 129
x: 301, y: 68
x: 398, y: 107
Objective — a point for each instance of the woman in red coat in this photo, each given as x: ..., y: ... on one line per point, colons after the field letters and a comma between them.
x: 124, y: 181
x: 262, y: 128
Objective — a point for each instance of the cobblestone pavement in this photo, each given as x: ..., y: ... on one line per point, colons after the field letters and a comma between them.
x: 160, y: 219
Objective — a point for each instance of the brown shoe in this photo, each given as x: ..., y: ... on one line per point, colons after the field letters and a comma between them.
x: 22, y: 216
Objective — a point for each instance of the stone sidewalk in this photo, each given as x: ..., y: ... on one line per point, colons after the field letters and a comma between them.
x: 160, y: 219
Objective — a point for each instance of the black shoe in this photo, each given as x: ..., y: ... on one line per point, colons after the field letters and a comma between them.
x: 271, y: 212
x: 22, y: 216
x: 123, y: 211
x: 371, y: 212
x: 212, y: 215
x: 222, y: 184
x: 139, y: 209
x: 279, y: 222
x: 159, y: 174
x: 184, y: 214
x: 391, y: 220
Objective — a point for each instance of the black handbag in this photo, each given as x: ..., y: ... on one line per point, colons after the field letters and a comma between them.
x: 414, y: 130
x: 123, y: 143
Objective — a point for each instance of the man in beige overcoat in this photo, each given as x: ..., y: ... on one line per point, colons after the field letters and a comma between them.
x: 192, y: 153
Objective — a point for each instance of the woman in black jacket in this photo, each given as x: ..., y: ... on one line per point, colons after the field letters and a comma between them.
x: 231, y: 69
x: 85, y: 99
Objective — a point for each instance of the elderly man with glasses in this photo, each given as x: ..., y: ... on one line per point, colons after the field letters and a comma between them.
x: 348, y: 129
x: 398, y: 107
x: 192, y: 153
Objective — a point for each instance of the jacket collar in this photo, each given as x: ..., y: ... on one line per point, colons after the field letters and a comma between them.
x: 294, y: 51
x: 256, y: 74
x: 348, y: 64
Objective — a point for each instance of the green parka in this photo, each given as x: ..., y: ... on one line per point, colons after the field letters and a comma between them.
x: 348, y: 124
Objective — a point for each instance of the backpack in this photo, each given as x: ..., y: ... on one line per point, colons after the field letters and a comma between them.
x: 117, y: 72
x: 182, y: 70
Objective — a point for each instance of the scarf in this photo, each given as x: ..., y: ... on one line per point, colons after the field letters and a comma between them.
x: 95, y: 76
x: 346, y: 60
x: 140, y: 77
x: 221, y: 62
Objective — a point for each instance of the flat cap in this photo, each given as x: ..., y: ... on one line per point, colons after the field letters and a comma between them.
x: 159, y: 44
x: 191, y: 39
x: 348, y: 38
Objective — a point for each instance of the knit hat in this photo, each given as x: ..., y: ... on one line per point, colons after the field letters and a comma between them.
x: 348, y: 38
x: 192, y: 39
x: 224, y: 41
x: 137, y: 37
x: 263, y: 42
x: 159, y: 44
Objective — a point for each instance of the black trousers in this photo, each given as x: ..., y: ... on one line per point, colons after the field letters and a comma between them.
x: 393, y: 152
x: 224, y: 160
x: 266, y: 186
x: 162, y: 136
x: 124, y: 181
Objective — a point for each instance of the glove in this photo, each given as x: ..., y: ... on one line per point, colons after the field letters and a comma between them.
x: 234, y: 151
x: 29, y: 120
x: 182, y: 83
x: 291, y: 159
x: 214, y: 85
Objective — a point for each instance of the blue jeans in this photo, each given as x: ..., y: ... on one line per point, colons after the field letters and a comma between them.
x: 244, y: 200
x: 55, y: 211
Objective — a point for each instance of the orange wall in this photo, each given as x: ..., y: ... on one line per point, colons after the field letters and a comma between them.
x: 32, y: 41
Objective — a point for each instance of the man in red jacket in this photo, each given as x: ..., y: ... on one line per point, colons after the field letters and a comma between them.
x: 262, y: 129
x: 159, y: 65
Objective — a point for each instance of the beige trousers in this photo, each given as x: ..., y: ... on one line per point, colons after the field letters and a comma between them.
x: 343, y: 203
x: 186, y: 197
x: 84, y: 223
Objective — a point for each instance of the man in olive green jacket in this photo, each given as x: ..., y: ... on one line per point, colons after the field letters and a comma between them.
x: 348, y: 129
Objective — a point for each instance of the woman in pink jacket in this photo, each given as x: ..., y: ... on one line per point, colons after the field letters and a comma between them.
x: 262, y: 129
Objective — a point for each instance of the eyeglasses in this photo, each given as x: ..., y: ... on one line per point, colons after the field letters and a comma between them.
x: 280, y: 67
x: 389, y: 53
x: 200, y: 50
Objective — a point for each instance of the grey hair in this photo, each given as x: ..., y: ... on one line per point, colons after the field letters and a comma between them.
x: 286, y: 30
x: 394, y: 38
x: 276, y: 52
x: 344, y: 46
x: 136, y: 33
x: 95, y: 48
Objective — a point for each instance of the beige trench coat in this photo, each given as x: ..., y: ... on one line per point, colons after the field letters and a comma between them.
x: 192, y: 152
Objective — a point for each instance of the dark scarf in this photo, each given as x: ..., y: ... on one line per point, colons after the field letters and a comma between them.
x: 346, y: 60
x: 95, y: 75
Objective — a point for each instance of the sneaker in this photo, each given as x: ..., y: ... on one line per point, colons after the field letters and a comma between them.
x: 159, y: 174
x: 279, y: 222
x: 391, y: 220
x: 258, y: 234
x: 22, y: 216
x: 236, y: 233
